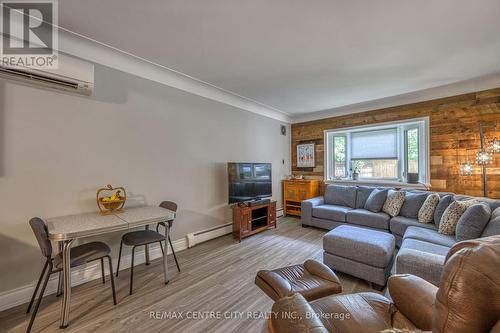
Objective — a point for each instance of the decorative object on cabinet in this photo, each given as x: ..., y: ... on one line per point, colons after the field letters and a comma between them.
x: 294, y: 191
x: 250, y: 220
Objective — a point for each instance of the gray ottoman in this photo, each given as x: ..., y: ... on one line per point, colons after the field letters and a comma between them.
x: 363, y: 253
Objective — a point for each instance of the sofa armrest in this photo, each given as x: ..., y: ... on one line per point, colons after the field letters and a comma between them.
x: 294, y: 314
x: 414, y: 297
x: 307, y: 207
x: 317, y: 201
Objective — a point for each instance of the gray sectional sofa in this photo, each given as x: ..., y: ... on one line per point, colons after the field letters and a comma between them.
x: 422, y: 248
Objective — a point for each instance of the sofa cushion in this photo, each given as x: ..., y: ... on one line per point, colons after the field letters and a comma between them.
x: 376, y: 200
x: 426, y: 212
x: 370, y: 247
x: 472, y: 223
x: 493, y: 227
x: 444, y: 202
x: 412, y: 204
x: 331, y: 212
x: 362, y: 194
x: 394, y: 202
x: 399, y: 224
x: 340, y: 195
x: 368, y: 312
x: 427, y: 247
x: 429, y: 235
x: 452, y: 214
x: 366, y: 218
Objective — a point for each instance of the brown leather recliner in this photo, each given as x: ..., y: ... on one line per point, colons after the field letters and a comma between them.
x: 468, y: 300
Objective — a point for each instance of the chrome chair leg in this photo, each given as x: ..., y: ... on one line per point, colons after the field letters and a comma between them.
x: 60, y: 245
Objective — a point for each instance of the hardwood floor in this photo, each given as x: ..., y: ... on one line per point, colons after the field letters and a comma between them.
x: 217, y: 277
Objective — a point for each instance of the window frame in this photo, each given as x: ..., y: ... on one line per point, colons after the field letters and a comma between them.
x: 402, y: 126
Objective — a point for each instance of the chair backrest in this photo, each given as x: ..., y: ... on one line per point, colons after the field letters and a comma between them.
x: 468, y: 298
x: 42, y: 236
x: 170, y: 205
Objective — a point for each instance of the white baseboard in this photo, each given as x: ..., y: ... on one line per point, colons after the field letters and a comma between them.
x: 82, y: 274
x: 279, y: 212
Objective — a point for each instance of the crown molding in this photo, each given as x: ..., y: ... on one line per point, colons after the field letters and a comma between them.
x: 100, y: 53
x: 485, y: 82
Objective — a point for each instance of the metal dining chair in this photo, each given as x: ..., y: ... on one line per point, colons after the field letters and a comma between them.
x: 79, y: 255
x: 170, y: 205
x: 145, y: 237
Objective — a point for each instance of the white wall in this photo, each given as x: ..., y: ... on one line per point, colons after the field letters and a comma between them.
x: 56, y: 149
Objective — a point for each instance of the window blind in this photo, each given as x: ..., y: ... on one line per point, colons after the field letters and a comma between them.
x: 380, y: 144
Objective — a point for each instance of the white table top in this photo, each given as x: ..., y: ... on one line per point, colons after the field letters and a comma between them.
x: 138, y: 216
x: 91, y: 224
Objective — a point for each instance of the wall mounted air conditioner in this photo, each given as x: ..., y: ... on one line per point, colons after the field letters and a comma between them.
x: 73, y: 75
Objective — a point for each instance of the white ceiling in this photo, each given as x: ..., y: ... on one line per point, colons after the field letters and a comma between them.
x: 303, y: 56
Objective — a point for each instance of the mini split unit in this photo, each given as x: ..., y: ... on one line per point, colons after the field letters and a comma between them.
x: 72, y: 74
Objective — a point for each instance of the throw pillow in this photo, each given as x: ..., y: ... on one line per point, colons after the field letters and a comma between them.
x: 426, y: 212
x: 413, y: 202
x: 452, y: 214
x: 493, y: 226
x: 394, y: 202
x: 444, y: 202
x: 362, y: 194
x: 472, y: 223
x: 376, y: 200
x: 340, y: 195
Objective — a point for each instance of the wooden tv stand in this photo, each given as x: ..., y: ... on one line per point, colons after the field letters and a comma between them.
x: 248, y: 221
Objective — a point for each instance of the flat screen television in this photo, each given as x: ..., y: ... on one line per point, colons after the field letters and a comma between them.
x: 249, y: 181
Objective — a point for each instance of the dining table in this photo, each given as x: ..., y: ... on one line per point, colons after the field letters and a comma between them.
x: 66, y: 229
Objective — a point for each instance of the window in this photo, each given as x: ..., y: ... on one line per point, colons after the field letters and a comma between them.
x: 339, y: 150
x: 384, y: 152
x: 411, y: 147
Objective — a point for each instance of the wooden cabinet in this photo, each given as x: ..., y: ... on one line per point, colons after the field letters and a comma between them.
x: 294, y: 191
x: 250, y: 220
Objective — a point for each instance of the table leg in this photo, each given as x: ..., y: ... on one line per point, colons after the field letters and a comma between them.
x: 60, y: 246
x: 147, y: 249
x: 165, y: 246
x: 66, y: 283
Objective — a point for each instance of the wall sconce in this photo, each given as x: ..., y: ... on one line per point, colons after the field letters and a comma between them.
x: 494, y: 146
x: 484, y: 157
x: 466, y: 169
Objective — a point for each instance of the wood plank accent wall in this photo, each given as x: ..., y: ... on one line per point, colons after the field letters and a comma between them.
x: 454, y: 134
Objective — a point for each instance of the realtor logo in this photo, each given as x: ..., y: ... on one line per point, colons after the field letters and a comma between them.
x: 29, y: 33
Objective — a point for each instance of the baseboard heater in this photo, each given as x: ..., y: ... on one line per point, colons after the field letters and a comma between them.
x: 208, y: 234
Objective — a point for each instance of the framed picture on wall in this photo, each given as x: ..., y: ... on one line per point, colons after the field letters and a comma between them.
x: 305, y: 155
